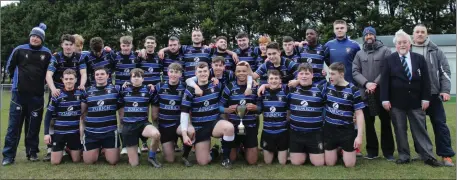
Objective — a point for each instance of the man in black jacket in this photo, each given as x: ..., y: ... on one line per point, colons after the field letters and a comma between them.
x: 405, y: 92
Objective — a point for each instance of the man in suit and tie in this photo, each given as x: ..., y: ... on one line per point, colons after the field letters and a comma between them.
x: 405, y: 92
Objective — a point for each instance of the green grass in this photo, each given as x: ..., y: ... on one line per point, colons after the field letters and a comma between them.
x: 365, y: 169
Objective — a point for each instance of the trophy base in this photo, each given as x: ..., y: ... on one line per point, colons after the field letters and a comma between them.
x: 241, y: 132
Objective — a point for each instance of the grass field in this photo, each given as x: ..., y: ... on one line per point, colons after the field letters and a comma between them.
x: 365, y: 169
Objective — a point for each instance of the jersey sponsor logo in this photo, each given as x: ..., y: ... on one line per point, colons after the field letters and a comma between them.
x: 336, y: 111
x: 133, y: 109
x: 135, y: 104
x: 101, y: 103
x: 273, y: 114
x: 151, y: 69
x: 172, y: 102
x: 272, y: 109
x: 196, y: 59
x: 70, y: 108
x: 309, y: 60
x: 348, y: 50
x: 335, y: 106
x: 126, y: 70
x: 243, y: 102
x: 304, y: 103
x: 208, y: 108
x: 345, y: 96
x: 206, y: 103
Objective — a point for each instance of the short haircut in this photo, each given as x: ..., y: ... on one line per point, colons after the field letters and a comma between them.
x: 197, y: 30
x: 337, y: 66
x: 274, y: 72
x: 67, y: 37
x: 173, y: 38
x: 101, y: 68
x: 244, y: 63
x: 137, y: 72
x: 273, y: 45
x: 287, y: 39
x: 313, y: 29
x: 78, y: 39
x: 96, y: 44
x: 69, y: 72
x: 201, y: 65
x: 264, y: 39
x: 218, y: 59
x: 339, y: 21
x: 175, y: 66
x: 126, y: 40
x: 150, y: 38
x: 242, y: 35
x: 401, y: 33
x: 305, y: 67
x: 221, y: 37
x: 420, y: 25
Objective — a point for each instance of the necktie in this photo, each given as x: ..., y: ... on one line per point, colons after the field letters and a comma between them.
x: 405, y: 67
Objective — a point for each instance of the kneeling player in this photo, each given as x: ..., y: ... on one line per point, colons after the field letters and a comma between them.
x: 306, y: 104
x: 67, y: 109
x: 342, y: 101
x: 98, y: 120
x: 273, y: 103
x: 204, y: 118
x: 166, y: 107
x: 233, y: 96
x: 135, y: 124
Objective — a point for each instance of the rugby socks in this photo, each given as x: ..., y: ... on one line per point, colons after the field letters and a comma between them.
x: 227, y: 146
x: 152, y: 154
x: 186, y: 151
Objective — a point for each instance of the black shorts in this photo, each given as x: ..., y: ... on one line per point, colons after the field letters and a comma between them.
x: 275, y: 142
x: 107, y: 140
x: 306, y: 142
x: 72, y: 141
x: 249, y: 140
x: 339, y: 136
x: 168, y: 134
x: 204, y: 133
x: 131, y: 132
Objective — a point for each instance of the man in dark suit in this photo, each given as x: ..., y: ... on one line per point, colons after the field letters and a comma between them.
x: 405, y: 92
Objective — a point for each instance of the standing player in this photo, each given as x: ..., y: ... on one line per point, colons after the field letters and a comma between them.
x: 274, y: 105
x: 261, y: 51
x: 166, y: 108
x: 289, y: 49
x: 204, y: 119
x: 221, y: 45
x: 343, y: 101
x: 151, y: 65
x: 126, y: 60
x: 66, y: 108
x: 306, y: 106
x: 245, y: 52
x: 98, y: 119
x: 135, y: 124
x: 313, y: 53
x: 171, y: 56
x: 232, y: 96
x: 99, y: 58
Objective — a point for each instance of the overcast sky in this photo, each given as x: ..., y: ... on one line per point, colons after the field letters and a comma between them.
x: 4, y: 3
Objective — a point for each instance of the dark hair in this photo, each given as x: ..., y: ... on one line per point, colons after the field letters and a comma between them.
x: 67, y: 37
x: 218, y: 59
x: 274, y: 72
x: 137, y: 72
x: 201, y: 65
x: 273, y: 45
x: 173, y: 38
x: 242, y: 35
x: 221, y: 37
x: 305, y: 67
x: 287, y: 39
x: 150, y: 38
x: 96, y: 44
x: 100, y: 68
x: 337, y: 66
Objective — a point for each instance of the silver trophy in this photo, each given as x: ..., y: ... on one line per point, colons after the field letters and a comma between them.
x: 241, y: 111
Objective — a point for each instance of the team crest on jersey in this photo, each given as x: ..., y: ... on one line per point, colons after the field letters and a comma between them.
x: 126, y: 70
x: 70, y: 108
x: 77, y: 98
x: 272, y: 109
x: 335, y: 106
x: 172, y: 102
x: 143, y: 94
x: 42, y: 57
x: 165, y: 91
x: 196, y: 59
x: 314, y: 94
x: 304, y: 103
x: 318, y: 52
x: 100, y: 103
x: 206, y: 103
x: 135, y: 104
x: 279, y: 98
x: 345, y: 96
x: 26, y: 56
x: 212, y: 90
x: 348, y: 50
x: 151, y: 69
x: 309, y: 60
x: 179, y: 93
x: 108, y: 91
x: 243, y: 102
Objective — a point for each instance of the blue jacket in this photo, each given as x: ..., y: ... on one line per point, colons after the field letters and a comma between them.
x: 342, y: 51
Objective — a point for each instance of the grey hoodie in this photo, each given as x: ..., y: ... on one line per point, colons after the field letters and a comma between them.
x: 367, y: 64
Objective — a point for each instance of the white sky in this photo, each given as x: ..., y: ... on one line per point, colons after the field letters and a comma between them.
x: 4, y: 3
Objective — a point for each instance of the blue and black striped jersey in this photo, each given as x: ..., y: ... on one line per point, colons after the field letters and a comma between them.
x: 341, y: 103
x: 229, y: 62
x: 136, y: 103
x: 287, y: 68
x: 168, y: 98
x: 66, y: 109
x: 315, y: 57
x: 203, y: 109
x: 124, y: 64
x: 192, y: 56
x: 102, y: 103
x: 306, y: 105
x: 233, y: 94
x: 106, y: 60
x: 249, y: 56
x: 168, y: 59
x: 274, y: 106
x: 62, y: 63
x: 152, y: 67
